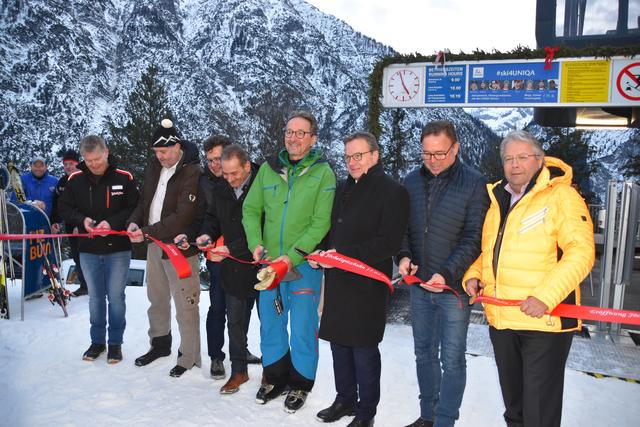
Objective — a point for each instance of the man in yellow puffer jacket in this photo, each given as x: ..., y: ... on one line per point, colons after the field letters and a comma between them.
x: 537, y: 246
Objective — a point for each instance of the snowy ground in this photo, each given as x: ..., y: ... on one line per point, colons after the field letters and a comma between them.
x: 44, y: 382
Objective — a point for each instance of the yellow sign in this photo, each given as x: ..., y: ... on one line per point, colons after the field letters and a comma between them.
x: 585, y: 81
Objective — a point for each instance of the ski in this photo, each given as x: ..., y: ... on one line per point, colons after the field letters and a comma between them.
x: 16, y: 182
x: 4, y: 293
x: 57, y: 292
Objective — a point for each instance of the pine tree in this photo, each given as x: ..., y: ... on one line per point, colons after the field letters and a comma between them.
x: 569, y: 146
x: 632, y: 167
x: 394, y: 159
x: 146, y: 107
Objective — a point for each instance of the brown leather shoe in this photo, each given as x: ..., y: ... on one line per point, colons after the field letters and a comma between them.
x: 233, y: 385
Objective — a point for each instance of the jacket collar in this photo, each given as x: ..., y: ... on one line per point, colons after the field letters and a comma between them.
x: 445, y: 174
x: 373, y: 172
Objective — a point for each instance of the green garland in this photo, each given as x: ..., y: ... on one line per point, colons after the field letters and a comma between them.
x: 520, y: 52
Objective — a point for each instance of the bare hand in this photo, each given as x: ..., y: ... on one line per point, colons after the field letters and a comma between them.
x: 260, y: 253
x: 311, y: 262
x: 533, y: 307
x: 40, y: 204
x: 216, y: 257
x: 203, y: 241
x: 405, y: 267
x: 474, y: 289
x: 135, y: 233
x: 436, y: 278
x: 89, y: 224
x: 55, y: 228
x: 103, y: 225
x: 181, y: 241
x: 326, y: 252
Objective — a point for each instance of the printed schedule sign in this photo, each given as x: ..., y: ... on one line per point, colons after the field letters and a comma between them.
x: 568, y: 82
x: 445, y: 84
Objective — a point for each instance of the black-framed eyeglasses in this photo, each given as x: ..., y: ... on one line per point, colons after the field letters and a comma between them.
x: 214, y: 160
x: 438, y: 156
x: 298, y: 133
x: 356, y: 156
x: 519, y: 158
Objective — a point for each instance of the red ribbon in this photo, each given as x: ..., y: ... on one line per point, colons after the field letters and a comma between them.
x: 550, y: 51
x: 583, y: 312
x: 410, y: 279
x: 351, y: 265
x: 281, y: 269
x: 176, y: 258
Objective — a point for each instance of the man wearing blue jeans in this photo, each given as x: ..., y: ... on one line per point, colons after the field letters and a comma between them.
x: 448, y: 202
x: 100, y: 196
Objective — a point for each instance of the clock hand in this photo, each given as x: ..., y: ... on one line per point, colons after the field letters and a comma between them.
x: 403, y: 85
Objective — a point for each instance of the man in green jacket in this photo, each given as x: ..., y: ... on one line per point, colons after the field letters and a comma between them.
x: 289, y: 207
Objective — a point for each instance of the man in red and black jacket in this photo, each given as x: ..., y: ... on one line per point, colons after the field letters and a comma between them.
x: 99, y: 196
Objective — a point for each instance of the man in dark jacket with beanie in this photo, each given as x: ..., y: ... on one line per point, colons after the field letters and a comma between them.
x: 101, y: 196
x: 70, y: 161
x: 447, y: 201
x: 167, y: 206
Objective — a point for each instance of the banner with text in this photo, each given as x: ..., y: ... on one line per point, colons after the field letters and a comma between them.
x: 569, y: 82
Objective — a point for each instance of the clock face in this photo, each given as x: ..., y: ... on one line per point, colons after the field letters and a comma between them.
x: 403, y: 85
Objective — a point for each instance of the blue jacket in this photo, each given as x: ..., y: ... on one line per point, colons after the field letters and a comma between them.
x: 39, y: 189
x: 446, y: 213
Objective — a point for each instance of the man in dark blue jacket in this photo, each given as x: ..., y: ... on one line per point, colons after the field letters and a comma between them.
x: 448, y: 203
x: 39, y: 186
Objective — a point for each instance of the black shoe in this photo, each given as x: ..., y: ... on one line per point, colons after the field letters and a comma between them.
x: 114, y: 354
x: 294, y: 401
x: 360, y: 423
x: 81, y: 291
x: 252, y: 359
x: 269, y: 392
x: 177, y: 371
x: 421, y: 422
x: 336, y: 411
x: 151, y: 355
x: 217, y: 369
x: 94, y: 351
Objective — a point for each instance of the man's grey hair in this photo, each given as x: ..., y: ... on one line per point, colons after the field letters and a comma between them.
x: 371, y: 140
x: 524, y: 136
x: 91, y: 143
x: 234, y: 150
x: 308, y: 116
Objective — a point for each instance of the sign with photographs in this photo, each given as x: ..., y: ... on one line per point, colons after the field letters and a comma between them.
x: 568, y: 82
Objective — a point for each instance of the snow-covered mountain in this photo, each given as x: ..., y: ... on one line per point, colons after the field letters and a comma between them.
x: 229, y: 66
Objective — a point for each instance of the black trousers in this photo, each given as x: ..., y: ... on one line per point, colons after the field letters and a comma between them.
x: 531, y: 371
x: 75, y: 254
x: 356, y: 372
x: 238, y: 316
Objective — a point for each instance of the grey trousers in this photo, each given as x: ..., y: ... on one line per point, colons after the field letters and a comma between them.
x: 162, y: 285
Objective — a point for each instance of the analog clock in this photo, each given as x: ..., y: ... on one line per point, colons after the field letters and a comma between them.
x: 403, y: 85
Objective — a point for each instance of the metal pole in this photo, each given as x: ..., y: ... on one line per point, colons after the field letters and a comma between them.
x: 621, y: 250
x: 607, y: 254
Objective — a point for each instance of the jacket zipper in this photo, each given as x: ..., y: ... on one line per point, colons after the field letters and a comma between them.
x: 286, y: 204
